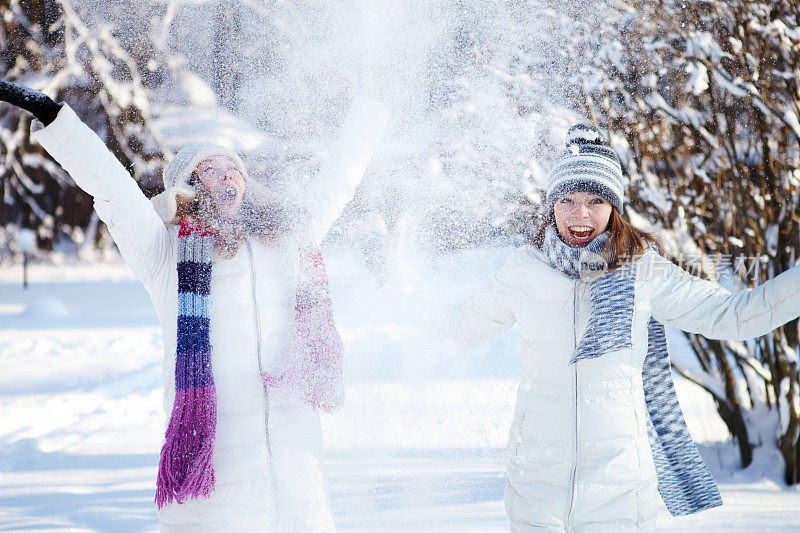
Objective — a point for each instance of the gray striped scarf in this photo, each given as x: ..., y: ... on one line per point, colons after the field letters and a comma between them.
x: 684, y: 482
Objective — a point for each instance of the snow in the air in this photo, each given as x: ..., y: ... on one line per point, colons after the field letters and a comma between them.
x: 418, y: 445
x: 481, y: 94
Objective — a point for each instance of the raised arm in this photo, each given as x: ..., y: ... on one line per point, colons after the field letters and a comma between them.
x: 699, y: 306
x: 139, y: 233
x: 341, y: 172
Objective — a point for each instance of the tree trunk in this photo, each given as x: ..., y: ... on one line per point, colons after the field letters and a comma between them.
x: 733, y: 416
x: 789, y: 443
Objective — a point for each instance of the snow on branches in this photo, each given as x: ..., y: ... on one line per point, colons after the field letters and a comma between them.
x: 703, y: 97
x: 48, y: 45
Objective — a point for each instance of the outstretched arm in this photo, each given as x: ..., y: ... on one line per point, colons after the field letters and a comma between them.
x: 699, y: 306
x: 37, y: 104
x: 487, y: 313
x: 342, y: 170
x: 139, y: 233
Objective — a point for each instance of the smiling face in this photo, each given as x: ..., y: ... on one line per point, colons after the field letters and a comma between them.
x: 580, y: 217
x: 223, y: 181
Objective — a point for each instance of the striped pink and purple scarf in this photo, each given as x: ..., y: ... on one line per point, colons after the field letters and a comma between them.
x: 311, y: 366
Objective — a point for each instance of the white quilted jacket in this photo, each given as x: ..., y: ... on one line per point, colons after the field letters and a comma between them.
x: 246, y: 483
x: 578, y: 457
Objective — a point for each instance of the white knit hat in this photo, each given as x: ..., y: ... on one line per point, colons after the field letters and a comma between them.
x: 587, y: 165
x: 178, y: 172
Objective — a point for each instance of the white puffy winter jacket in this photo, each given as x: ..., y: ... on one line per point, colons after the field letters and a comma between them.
x: 250, y: 490
x: 578, y: 457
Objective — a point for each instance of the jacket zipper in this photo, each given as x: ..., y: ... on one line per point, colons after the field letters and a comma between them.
x: 265, y: 387
x: 573, y: 474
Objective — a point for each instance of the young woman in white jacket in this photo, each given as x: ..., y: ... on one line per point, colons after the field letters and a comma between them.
x: 250, y: 349
x: 597, y: 432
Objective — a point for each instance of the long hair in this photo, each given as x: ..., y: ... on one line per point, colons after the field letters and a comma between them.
x: 625, y: 242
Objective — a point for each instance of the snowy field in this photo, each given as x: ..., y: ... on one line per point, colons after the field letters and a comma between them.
x: 417, y: 447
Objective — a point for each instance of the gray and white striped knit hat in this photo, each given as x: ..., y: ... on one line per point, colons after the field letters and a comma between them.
x: 587, y: 165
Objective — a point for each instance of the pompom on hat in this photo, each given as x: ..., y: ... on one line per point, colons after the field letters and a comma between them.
x: 586, y: 165
x: 177, y: 176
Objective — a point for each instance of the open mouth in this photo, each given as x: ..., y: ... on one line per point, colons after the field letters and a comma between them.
x: 581, y: 234
x: 227, y: 194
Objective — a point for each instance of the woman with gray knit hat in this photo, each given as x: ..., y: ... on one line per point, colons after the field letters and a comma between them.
x: 251, y: 352
x: 597, y: 432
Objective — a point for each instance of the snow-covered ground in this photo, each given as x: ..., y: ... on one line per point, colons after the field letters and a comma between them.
x: 417, y: 447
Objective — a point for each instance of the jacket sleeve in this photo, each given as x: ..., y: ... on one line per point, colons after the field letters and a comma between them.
x: 699, y: 306
x: 141, y: 236
x: 341, y: 172
x: 486, y: 314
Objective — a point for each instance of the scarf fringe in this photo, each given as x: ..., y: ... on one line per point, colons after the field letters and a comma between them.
x: 312, y: 366
x: 186, y: 467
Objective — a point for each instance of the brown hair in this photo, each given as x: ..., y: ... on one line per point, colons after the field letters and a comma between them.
x: 625, y: 242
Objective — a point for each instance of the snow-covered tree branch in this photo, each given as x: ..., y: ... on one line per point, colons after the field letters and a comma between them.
x: 48, y: 45
x: 702, y: 101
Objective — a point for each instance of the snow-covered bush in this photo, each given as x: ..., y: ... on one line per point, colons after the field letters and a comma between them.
x: 702, y: 102
x: 50, y: 46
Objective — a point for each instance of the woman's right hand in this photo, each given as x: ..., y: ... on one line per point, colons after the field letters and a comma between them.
x: 175, y: 203
x: 38, y: 104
